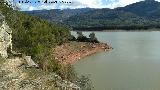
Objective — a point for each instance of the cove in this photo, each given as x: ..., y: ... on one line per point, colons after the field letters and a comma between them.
x: 133, y: 64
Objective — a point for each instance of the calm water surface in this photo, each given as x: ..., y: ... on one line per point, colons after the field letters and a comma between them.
x: 133, y: 64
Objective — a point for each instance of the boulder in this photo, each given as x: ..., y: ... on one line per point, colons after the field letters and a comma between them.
x: 30, y: 62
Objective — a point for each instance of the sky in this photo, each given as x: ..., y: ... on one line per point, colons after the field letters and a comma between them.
x: 74, y: 4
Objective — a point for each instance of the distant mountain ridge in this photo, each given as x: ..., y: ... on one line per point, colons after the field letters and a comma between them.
x: 140, y: 15
x: 58, y: 15
x: 147, y: 8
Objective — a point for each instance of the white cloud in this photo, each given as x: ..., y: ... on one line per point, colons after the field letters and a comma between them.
x: 81, y: 4
x: 121, y: 3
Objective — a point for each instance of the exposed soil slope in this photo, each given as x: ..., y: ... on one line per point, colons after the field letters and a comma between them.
x: 71, y: 52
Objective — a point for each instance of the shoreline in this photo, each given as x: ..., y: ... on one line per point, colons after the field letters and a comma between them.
x: 74, y: 56
x: 149, y: 30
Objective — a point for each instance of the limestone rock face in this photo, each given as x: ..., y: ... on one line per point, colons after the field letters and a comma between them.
x: 5, y: 37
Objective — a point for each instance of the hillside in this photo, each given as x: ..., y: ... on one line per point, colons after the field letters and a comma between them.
x: 34, y: 37
x: 14, y: 71
x: 112, y: 19
x: 27, y: 25
x: 140, y: 15
x: 57, y: 15
x: 148, y: 9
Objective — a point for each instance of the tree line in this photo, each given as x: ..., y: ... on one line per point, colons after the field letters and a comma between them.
x: 82, y: 38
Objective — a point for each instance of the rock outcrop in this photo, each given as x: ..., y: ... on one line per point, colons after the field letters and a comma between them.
x: 5, y: 37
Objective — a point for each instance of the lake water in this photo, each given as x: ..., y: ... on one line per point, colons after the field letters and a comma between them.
x: 133, y: 64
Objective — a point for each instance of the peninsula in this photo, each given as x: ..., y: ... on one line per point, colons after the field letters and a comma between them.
x: 77, y: 48
x: 70, y: 52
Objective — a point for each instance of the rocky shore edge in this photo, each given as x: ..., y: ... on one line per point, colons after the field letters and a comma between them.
x: 97, y: 47
x: 85, y: 49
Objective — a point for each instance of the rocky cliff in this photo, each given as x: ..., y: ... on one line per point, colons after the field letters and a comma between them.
x: 5, y: 37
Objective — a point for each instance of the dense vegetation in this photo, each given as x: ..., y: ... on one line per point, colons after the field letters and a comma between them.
x: 35, y: 37
x: 140, y: 15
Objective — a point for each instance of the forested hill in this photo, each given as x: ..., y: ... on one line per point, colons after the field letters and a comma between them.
x: 140, y: 15
x: 57, y: 15
x: 148, y: 9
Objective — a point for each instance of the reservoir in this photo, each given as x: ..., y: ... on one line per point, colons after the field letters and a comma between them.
x: 133, y: 64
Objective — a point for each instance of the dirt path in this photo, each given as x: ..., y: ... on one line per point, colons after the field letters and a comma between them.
x: 12, y: 75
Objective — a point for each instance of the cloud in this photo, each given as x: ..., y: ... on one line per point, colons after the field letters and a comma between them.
x: 121, y: 3
x: 79, y: 4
